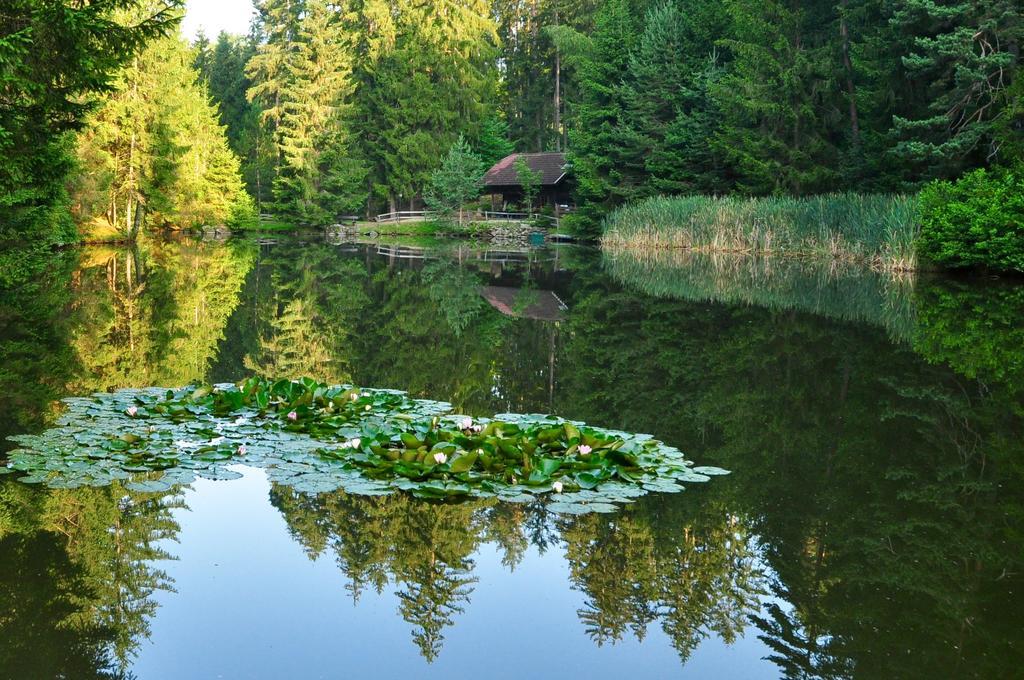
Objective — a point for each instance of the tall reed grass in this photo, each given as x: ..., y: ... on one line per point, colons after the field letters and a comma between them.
x: 876, y: 230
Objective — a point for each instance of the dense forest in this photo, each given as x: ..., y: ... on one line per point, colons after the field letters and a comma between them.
x: 327, y: 109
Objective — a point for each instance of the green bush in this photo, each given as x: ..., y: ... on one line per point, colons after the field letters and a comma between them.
x: 976, y: 221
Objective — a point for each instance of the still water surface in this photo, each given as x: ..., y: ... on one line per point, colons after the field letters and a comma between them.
x: 872, y: 526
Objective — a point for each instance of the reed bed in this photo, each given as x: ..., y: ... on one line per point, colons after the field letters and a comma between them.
x: 835, y: 289
x: 874, y: 230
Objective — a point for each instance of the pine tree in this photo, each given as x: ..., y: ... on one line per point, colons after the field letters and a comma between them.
x: 456, y: 182
x: 966, y: 56
x: 424, y: 78
x: 314, y: 119
x: 596, y: 137
x: 777, y: 99
x: 494, y: 142
x: 276, y: 29
x: 670, y: 114
x: 55, y: 58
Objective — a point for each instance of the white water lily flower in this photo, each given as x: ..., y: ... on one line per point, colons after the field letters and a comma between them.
x: 131, y: 410
x: 355, y: 396
x: 355, y: 443
x: 440, y: 458
x: 584, y: 449
x: 368, y: 407
x: 183, y: 444
x: 478, y: 429
x: 557, y: 486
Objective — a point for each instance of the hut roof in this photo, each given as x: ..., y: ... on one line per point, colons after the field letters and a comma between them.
x: 551, y: 166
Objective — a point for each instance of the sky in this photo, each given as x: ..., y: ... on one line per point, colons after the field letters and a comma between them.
x: 214, y: 16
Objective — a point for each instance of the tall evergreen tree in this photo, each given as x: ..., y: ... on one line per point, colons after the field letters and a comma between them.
x: 596, y: 140
x: 964, y: 58
x: 313, y: 127
x: 777, y: 98
x: 276, y: 28
x: 669, y: 111
x: 424, y: 77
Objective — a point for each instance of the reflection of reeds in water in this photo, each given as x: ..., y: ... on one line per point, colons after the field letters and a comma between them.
x: 835, y: 289
x: 878, y: 231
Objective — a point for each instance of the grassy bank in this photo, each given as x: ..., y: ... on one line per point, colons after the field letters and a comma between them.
x: 878, y: 231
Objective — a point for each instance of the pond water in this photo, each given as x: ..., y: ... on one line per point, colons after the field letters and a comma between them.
x: 872, y: 525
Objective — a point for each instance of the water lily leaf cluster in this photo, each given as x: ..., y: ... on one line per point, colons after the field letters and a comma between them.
x: 319, y: 438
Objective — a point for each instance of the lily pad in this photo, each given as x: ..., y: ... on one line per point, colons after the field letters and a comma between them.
x: 317, y: 438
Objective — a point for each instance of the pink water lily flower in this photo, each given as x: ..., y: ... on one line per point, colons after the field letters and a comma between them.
x: 440, y: 458
x: 131, y: 410
x: 466, y: 424
x: 292, y: 415
x: 478, y: 429
x: 241, y: 449
x: 557, y: 486
x: 584, y: 449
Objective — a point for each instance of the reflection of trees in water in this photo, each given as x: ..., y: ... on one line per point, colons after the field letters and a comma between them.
x: 153, y: 315
x: 884, y: 491
x: 659, y: 562
x: 666, y: 561
x: 79, y: 577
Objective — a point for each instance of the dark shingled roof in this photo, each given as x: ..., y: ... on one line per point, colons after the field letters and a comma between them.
x: 550, y: 165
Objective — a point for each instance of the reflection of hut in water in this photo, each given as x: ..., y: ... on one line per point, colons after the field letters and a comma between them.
x: 542, y: 305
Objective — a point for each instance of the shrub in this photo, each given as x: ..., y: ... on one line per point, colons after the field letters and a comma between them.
x: 976, y: 221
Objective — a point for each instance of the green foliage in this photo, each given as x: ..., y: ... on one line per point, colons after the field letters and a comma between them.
x: 458, y: 181
x: 670, y: 113
x: 776, y: 97
x: 424, y: 78
x: 55, y: 57
x: 976, y: 221
x: 529, y: 180
x: 318, y: 179
x: 155, y: 154
x: 493, y: 143
x: 600, y: 161
x: 965, y: 58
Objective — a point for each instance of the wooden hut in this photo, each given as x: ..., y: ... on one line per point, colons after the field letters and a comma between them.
x: 502, y: 181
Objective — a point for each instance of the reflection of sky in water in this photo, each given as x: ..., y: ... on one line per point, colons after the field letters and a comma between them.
x: 250, y: 604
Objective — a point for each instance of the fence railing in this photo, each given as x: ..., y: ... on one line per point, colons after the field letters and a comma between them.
x: 417, y: 215
x: 404, y: 215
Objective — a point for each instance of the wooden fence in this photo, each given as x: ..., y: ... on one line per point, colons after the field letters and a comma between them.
x: 420, y: 215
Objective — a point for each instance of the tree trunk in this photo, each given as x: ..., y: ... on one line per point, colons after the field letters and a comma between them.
x: 558, y: 94
x: 851, y: 91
